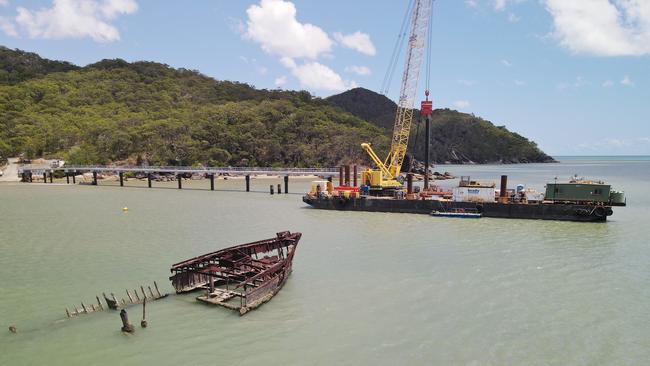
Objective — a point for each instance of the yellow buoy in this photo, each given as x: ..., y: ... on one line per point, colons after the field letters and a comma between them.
x: 125, y: 209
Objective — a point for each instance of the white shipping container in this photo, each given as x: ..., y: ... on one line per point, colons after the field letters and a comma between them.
x: 473, y: 194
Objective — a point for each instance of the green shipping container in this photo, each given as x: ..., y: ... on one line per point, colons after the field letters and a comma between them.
x: 579, y: 192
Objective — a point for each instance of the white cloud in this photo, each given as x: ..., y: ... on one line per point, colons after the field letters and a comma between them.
x: 281, y: 81
x: 602, y: 27
x: 638, y: 145
x: 76, y: 19
x: 627, y: 81
x: 359, y: 70
x: 4, y: 2
x: 519, y: 82
x: 499, y: 4
x: 471, y: 3
x: 513, y: 18
x: 608, y: 83
x: 357, y: 41
x: 577, y: 83
x: 465, y: 82
x: 461, y: 104
x: 320, y: 77
x: 8, y: 27
x: 506, y: 63
x: 274, y: 26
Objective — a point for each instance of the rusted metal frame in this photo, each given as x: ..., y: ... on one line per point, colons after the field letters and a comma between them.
x: 272, y: 270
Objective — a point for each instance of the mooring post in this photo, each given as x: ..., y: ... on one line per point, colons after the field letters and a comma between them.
x: 347, y: 175
x: 355, y: 175
x: 180, y: 182
x: 67, y: 178
x: 341, y: 175
x: 126, y: 326
x: 74, y: 177
x: 121, y: 174
x: 51, y: 177
x: 44, y: 177
x: 212, y: 182
x: 94, y: 178
x: 279, y: 188
x: 286, y: 184
x: 149, y: 179
x: 271, y: 189
x: 248, y: 183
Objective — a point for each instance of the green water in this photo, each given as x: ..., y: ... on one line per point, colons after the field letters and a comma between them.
x: 367, y: 288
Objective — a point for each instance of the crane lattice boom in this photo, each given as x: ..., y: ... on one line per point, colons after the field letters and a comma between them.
x: 420, y: 20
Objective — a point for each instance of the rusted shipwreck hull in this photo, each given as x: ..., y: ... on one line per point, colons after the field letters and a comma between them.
x: 241, y: 277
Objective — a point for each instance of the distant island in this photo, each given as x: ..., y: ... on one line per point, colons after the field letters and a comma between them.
x: 137, y: 113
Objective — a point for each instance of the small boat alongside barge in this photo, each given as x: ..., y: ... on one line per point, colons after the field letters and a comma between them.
x: 241, y: 277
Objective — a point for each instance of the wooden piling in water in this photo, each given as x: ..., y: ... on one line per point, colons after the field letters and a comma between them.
x: 94, y: 178
x: 44, y: 177
x: 129, y: 295
x: 286, y: 184
x: 271, y: 189
x: 180, y: 181
x: 279, y: 188
x: 156, y: 286
x: 149, y: 179
x: 126, y: 326
x: 67, y: 178
x: 74, y: 177
x: 143, y: 323
x: 212, y: 182
x: 248, y: 183
x: 121, y: 174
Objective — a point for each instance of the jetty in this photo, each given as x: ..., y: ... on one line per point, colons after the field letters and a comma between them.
x: 27, y: 173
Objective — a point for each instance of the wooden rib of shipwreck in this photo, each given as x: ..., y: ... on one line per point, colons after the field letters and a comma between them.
x: 242, y: 277
x: 112, y: 303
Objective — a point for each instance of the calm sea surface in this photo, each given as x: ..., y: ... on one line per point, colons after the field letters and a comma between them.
x: 367, y: 288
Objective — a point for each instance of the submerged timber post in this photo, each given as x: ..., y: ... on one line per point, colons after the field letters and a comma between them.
x: 44, y: 177
x: 149, y: 180
x: 143, y: 323
x: 94, y: 178
x: 286, y: 184
x: 126, y: 326
x: 74, y: 177
x: 212, y: 182
x: 51, y: 177
x: 180, y: 181
x: 67, y: 178
x: 279, y: 188
x: 271, y: 189
x: 121, y: 174
x: 248, y: 183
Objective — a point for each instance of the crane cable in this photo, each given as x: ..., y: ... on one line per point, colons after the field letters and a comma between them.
x: 397, y: 51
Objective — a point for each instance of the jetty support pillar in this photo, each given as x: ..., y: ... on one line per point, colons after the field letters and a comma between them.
x: 51, y: 177
x: 94, y: 178
x: 149, y: 180
x: 286, y: 184
x: 67, y: 178
x: 211, y: 176
x: 121, y: 174
x: 179, y: 177
x: 44, y: 177
x: 74, y: 177
x: 248, y: 183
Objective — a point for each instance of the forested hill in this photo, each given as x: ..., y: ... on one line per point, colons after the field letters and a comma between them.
x: 145, y: 112
x: 455, y: 137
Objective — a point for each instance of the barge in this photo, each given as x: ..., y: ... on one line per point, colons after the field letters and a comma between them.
x: 241, y: 277
x: 577, y: 200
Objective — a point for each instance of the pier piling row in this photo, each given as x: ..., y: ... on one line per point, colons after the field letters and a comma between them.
x: 26, y: 173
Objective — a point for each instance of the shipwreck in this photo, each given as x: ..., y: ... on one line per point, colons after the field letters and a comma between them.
x: 241, y: 277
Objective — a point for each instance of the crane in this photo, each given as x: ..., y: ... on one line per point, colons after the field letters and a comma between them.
x: 385, y: 177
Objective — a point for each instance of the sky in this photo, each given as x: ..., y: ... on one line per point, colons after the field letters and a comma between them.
x: 571, y: 75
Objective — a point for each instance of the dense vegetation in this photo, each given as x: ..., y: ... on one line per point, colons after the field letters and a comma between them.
x: 145, y: 112
x: 455, y: 137
x: 148, y: 113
